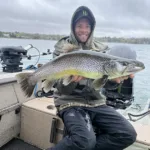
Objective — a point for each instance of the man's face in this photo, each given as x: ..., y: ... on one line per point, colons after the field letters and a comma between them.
x: 82, y: 30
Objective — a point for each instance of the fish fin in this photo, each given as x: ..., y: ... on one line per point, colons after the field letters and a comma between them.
x: 26, y: 86
x: 70, y: 47
x: 47, y: 85
x: 100, y: 82
x: 67, y: 80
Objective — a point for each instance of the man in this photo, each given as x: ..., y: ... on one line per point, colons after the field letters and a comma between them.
x: 80, y: 106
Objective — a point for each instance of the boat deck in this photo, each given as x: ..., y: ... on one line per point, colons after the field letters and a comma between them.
x: 17, y: 144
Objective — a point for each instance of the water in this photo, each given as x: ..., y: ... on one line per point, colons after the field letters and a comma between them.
x: 141, y: 81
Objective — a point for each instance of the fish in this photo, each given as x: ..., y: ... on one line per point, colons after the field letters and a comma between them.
x: 87, y: 63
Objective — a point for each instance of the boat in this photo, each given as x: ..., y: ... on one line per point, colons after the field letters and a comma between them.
x: 32, y: 123
x: 140, y: 119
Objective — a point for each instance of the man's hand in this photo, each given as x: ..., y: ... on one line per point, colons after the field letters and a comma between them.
x: 118, y: 80
x: 77, y: 78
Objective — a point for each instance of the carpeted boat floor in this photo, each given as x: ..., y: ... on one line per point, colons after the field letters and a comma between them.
x: 17, y: 144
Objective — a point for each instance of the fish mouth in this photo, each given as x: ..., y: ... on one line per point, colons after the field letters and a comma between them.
x: 134, y: 70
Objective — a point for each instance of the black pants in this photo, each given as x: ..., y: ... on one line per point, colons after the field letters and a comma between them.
x: 116, y: 133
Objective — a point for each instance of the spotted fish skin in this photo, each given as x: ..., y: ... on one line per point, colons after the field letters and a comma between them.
x: 86, y: 63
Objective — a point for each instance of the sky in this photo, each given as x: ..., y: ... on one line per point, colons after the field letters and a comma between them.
x: 114, y: 18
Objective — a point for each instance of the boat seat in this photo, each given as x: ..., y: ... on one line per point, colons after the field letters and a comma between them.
x: 143, y: 133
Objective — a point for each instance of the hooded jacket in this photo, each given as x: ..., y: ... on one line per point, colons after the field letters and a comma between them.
x: 91, y: 43
x: 78, y: 94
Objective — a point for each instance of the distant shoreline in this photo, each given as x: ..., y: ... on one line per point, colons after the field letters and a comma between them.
x: 37, y: 36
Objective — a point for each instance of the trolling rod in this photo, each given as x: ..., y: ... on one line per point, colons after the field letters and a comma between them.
x: 30, y: 46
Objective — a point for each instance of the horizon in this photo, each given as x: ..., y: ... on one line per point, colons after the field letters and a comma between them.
x: 67, y: 35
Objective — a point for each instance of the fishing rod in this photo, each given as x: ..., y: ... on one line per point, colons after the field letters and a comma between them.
x: 140, y: 116
x: 29, y: 47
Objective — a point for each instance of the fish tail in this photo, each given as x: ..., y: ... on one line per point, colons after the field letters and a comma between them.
x: 26, y: 85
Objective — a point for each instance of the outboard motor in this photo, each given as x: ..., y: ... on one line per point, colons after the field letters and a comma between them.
x: 121, y: 95
x: 11, y: 57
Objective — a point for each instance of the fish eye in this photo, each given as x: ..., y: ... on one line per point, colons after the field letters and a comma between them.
x: 125, y: 63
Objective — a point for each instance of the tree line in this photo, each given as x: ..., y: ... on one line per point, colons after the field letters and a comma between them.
x: 22, y: 35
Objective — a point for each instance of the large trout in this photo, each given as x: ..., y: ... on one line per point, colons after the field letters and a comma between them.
x: 86, y: 63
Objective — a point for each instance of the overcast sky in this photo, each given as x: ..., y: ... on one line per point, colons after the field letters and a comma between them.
x: 120, y: 18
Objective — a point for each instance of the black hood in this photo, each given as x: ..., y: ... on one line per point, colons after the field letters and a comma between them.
x: 83, y: 12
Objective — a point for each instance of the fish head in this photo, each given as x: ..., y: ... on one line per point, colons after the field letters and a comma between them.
x: 118, y: 68
x: 132, y: 66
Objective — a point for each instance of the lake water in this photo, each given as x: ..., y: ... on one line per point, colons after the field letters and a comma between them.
x: 141, y: 81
